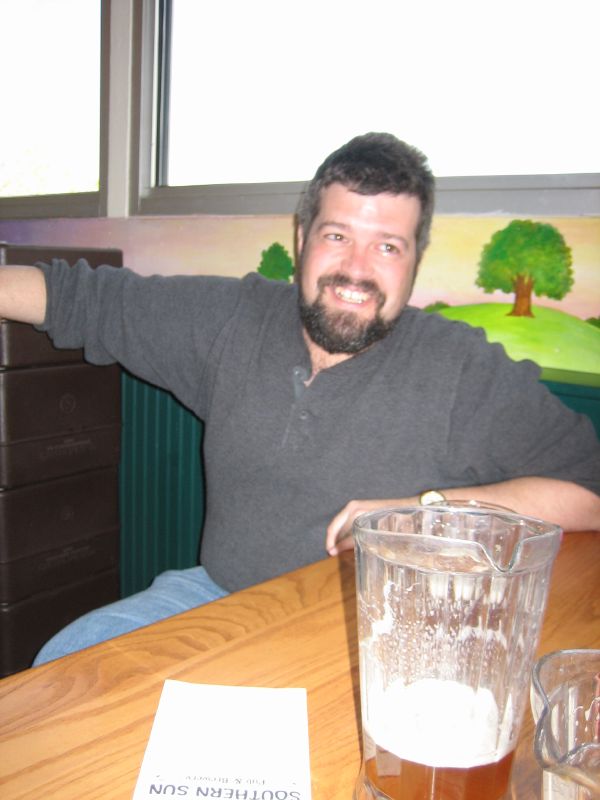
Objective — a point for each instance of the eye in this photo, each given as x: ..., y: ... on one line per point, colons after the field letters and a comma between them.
x: 389, y: 249
x: 335, y: 237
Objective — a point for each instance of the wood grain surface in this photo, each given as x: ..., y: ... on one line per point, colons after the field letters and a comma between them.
x: 78, y: 727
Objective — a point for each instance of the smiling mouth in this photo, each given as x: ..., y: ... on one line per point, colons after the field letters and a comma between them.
x: 356, y: 293
x: 350, y: 295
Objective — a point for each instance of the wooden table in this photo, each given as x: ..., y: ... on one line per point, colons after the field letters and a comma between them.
x: 78, y: 727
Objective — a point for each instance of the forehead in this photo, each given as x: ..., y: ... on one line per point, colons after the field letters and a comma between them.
x: 393, y: 212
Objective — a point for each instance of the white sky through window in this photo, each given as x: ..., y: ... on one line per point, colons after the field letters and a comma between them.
x: 50, y: 67
x: 262, y: 91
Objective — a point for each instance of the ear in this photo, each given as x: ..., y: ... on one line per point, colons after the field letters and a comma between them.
x: 299, y: 238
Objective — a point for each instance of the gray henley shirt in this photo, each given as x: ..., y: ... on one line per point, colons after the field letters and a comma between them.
x: 432, y: 405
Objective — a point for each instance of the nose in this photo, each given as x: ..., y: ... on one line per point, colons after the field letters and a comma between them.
x: 357, y: 263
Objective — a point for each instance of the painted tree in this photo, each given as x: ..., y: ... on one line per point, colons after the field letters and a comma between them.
x: 526, y: 258
x: 276, y: 263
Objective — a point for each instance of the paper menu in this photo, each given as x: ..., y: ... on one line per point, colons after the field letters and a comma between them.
x: 228, y: 742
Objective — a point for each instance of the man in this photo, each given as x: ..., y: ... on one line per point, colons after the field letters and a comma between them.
x: 322, y: 393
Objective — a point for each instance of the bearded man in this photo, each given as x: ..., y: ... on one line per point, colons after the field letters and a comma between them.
x: 317, y: 394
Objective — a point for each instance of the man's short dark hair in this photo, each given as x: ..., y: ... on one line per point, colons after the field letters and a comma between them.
x: 374, y: 163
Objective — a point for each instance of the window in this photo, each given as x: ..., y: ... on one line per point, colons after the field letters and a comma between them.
x: 252, y: 96
x: 262, y: 91
x: 50, y: 136
x: 227, y: 108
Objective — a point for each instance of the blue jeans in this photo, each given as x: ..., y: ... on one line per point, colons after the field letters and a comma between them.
x: 170, y: 593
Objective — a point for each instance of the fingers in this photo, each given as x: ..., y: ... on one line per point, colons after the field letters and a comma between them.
x: 339, y: 531
x: 343, y: 542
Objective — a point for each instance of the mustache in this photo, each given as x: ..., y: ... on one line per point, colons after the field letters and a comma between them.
x: 339, y: 279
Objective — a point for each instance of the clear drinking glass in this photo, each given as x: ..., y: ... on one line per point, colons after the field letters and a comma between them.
x: 450, y: 606
x: 565, y: 701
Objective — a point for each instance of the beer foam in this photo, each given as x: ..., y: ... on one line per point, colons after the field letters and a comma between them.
x: 440, y: 723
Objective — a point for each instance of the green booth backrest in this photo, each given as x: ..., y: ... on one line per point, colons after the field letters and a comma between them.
x: 161, y: 485
x: 585, y: 399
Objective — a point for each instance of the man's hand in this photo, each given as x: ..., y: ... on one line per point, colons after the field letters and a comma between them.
x: 339, y: 530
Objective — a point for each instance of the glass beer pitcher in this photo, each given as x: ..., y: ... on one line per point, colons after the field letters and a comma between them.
x: 450, y: 605
x: 565, y: 701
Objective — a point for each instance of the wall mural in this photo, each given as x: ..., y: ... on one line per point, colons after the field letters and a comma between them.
x: 532, y: 284
x: 528, y: 258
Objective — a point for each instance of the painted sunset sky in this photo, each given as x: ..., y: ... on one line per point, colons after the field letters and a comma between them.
x: 233, y: 246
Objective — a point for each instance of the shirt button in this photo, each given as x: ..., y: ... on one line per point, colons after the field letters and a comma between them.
x: 304, y: 415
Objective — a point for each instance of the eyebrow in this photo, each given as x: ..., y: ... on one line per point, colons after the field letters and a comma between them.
x: 382, y: 235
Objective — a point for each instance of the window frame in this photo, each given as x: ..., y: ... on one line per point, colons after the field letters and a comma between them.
x: 146, y: 197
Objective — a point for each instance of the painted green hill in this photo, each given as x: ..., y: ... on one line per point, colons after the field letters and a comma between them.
x: 553, y: 339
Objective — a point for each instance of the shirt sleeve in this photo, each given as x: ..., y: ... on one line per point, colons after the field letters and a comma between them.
x: 505, y: 423
x: 162, y: 329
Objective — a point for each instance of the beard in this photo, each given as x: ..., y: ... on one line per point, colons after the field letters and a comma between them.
x: 343, y: 331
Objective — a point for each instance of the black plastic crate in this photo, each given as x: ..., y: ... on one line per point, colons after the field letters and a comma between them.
x: 59, y: 566
x: 58, y: 420
x: 28, y: 624
x: 44, y: 516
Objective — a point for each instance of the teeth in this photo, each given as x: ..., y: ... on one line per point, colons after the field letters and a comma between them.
x: 350, y: 295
